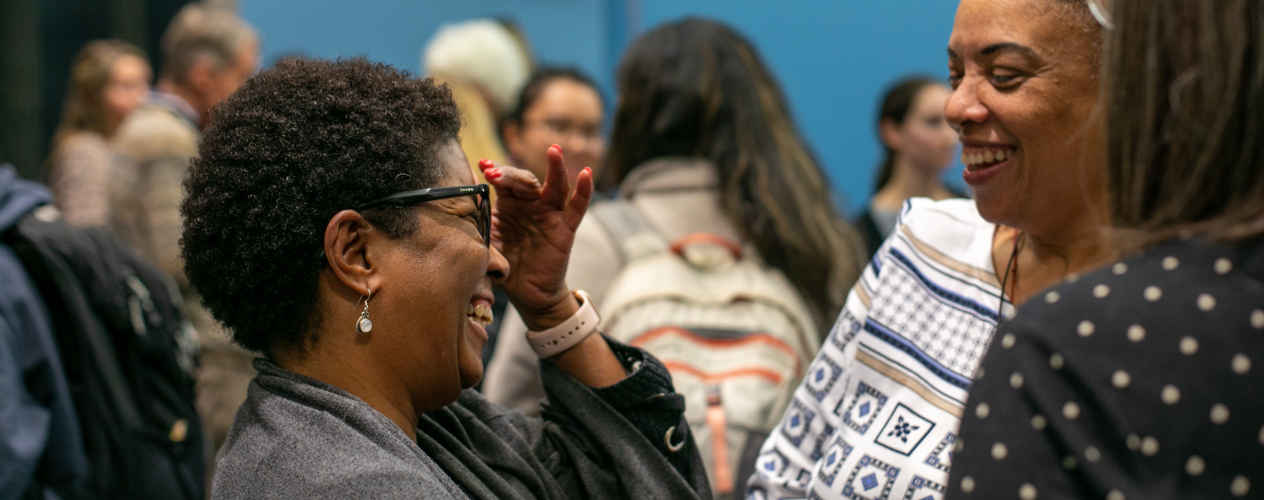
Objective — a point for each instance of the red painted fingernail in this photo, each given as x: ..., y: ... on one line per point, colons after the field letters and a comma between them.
x: 588, y: 169
x: 558, y: 148
x: 485, y: 164
x: 492, y: 173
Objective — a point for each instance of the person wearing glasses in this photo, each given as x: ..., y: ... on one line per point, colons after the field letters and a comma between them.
x: 1145, y: 379
x: 879, y: 411
x: 557, y: 106
x: 332, y: 224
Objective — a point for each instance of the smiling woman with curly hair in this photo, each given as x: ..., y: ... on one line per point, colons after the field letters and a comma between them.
x: 332, y: 224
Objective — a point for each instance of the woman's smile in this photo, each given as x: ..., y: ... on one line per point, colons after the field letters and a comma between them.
x: 984, y: 161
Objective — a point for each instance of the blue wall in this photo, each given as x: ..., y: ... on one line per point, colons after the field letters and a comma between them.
x: 833, y: 57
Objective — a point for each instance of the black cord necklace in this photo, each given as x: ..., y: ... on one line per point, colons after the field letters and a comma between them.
x: 1013, y: 264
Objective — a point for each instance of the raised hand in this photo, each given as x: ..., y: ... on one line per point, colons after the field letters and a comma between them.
x: 533, y: 226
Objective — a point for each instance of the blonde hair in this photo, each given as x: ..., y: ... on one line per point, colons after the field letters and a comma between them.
x: 482, y: 52
x: 199, y: 33
x: 90, y: 72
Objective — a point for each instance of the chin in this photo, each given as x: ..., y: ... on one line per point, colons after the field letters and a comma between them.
x: 471, y: 377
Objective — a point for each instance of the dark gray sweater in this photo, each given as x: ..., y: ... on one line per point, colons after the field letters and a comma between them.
x: 297, y: 437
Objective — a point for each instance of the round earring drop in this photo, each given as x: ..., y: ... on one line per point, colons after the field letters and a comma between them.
x: 364, y: 324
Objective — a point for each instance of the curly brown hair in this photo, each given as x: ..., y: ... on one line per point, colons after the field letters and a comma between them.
x: 295, y: 145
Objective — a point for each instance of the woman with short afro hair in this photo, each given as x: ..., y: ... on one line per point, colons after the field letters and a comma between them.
x: 333, y: 225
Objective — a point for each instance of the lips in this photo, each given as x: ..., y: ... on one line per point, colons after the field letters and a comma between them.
x: 984, y: 161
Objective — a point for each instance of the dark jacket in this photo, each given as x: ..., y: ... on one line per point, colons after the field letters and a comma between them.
x: 39, y: 431
x: 297, y: 437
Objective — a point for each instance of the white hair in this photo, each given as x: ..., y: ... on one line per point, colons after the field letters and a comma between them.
x: 480, y: 52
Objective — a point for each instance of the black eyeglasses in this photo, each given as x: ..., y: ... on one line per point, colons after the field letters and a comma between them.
x: 480, y: 192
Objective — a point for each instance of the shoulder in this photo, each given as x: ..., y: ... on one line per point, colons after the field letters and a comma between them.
x: 153, y: 131
x: 949, y: 231
x: 83, y: 141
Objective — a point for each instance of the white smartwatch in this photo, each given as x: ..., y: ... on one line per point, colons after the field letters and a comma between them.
x: 574, y: 330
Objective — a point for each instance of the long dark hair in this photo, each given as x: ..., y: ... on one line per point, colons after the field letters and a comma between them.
x: 1185, y: 97
x: 896, y: 105
x: 695, y: 88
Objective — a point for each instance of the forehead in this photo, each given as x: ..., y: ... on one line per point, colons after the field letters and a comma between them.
x: 565, y: 92
x: 1046, y: 27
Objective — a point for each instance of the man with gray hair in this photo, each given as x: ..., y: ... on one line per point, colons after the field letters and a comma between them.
x: 207, y: 53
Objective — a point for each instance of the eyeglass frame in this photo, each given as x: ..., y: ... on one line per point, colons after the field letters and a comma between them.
x: 416, y: 196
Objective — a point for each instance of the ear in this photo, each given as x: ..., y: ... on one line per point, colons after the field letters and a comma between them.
x: 890, y: 133
x: 200, y: 75
x: 509, y: 132
x: 347, y: 244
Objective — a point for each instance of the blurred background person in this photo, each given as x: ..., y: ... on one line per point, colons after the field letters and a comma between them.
x: 108, y: 79
x: 206, y: 54
x: 556, y: 106
x: 704, y: 149
x: 485, y: 63
x: 882, y: 403
x: 1157, y: 394
x: 918, y: 144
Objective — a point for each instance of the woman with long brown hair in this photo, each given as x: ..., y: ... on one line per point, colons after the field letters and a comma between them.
x: 703, y: 144
x: 1144, y: 379
x: 108, y: 79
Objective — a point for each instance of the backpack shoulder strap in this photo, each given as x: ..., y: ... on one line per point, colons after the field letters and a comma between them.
x: 634, y: 235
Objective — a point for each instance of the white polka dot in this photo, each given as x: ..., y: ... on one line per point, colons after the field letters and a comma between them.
x: 1069, y: 462
x: 1152, y: 293
x: 1136, y: 333
x: 999, y: 451
x: 1085, y: 328
x: 1170, y: 263
x: 1052, y: 297
x: 1038, y: 422
x: 1149, y: 446
x: 982, y: 410
x: 967, y: 484
x: 1170, y: 394
x: 958, y: 445
x: 978, y: 373
x: 1115, y: 495
x: 1257, y: 319
x: 1189, y: 346
x: 1092, y: 455
x: 1240, y: 486
x: 1009, y: 312
x: 1119, y: 269
x: 1007, y: 341
x: 1101, y: 291
x: 1120, y: 379
x: 1206, y: 302
x: 1223, y: 266
x: 1016, y: 380
x: 1056, y: 361
x: 1073, y: 277
x: 1070, y: 410
x: 1027, y: 492
x: 1219, y: 414
x: 1261, y: 435
x: 1195, y: 466
x: 1133, y: 441
x: 1241, y: 364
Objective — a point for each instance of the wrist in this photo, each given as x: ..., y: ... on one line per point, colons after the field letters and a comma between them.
x: 538, y: 320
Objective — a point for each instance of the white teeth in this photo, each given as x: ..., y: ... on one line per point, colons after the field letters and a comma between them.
x: 481, y: 314
x: 469, y: 309
x: 988, y: 156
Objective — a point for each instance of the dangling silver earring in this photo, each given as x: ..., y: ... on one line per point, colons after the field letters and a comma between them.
x: 364, y: 324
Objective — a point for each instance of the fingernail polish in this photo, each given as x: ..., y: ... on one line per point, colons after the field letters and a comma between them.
x: 485, y: 164
x: 558, y: 148
x: 588, y: 169
x: 492, y: 173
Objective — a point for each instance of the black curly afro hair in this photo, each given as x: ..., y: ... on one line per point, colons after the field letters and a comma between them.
x: 292, y: 147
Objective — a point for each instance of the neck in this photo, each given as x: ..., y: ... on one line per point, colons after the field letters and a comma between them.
x: 189, y: 95
x: 343, y: 365
x: 908, y: 181
x: 1047, y: 255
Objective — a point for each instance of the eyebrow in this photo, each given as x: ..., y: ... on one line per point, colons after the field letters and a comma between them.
x: 1007, y: 47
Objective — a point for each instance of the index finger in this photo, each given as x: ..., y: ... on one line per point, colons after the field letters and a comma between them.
x: 557, y: 185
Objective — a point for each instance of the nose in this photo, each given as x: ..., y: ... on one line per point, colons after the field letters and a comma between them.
x: 964, y: 106
x: 497, y: 266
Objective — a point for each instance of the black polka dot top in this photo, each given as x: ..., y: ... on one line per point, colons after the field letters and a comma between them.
x: 1142, y: 380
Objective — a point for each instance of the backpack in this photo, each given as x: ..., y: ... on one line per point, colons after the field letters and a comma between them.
x: 734, y: 333
x: 129, y: 355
